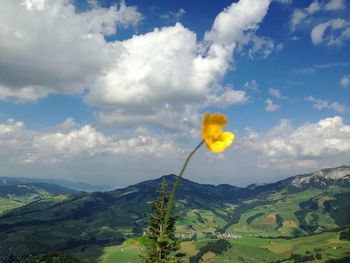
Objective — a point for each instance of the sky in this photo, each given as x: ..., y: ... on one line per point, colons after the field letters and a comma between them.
x: 113, y: 92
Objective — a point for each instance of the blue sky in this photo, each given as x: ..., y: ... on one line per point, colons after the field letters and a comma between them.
x: 113, y: 92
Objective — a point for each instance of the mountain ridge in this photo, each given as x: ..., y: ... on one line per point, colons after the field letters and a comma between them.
x: 78, y: 186
x: 83, y: 220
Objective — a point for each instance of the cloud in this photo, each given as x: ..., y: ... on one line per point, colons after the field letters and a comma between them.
x: 24, y: 94
x: 270, y: 106
x: 344, y: 81
x: 161, y: 86
x: 10, y: 126
x: 334, y: 31
x: 337, y: 29
x: 24, y: 146
x: 262, y: 47
x: 251, y: 85
x: 335, y: 5
x: 321, y: 144
x: 305, y: 71
x: 172, y: 17
x: 332, y: 65
x: 228, y: 97
x: 284, y: 1
x: 314, y: 7
x: 130, y: 82
x: 50, y: 36
x: 311, y: 70
x: 67, y: 124
x: 235, y: 27
x: 323, y: 104
x: 277, y: 93
x: 299, y: 15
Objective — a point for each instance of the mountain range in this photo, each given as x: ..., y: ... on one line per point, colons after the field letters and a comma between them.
x: 77, y: 186
x: 84, y: 224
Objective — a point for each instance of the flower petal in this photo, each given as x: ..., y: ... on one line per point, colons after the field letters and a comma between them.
x: 214, y: 137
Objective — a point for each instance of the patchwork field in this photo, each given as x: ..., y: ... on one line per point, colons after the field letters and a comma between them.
x: 6, y: 204
x: 320, y: 247
x: 271, y: 223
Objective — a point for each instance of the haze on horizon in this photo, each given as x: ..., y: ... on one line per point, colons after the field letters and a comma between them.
x: 113, y: 93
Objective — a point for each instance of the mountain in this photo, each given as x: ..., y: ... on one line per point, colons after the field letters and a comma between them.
x: 324, y: 178
x: 85, y: 223
x: 15, y: 193
x: 40, y: 189
x: 77, y: 186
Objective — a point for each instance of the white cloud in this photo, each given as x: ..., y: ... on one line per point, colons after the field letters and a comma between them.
x: 311, y: 15
x: 155, y: 86
x: 67, y: 124
x: 318, y: 31
x: 262, y: 47
x: 235, y: 27
x: 131, y: 82
x: 311, y: 70
x: 251, y: 85
x: 300, y: 15
x: 24, y: 94
x: 34, y: 4
x: 270, y: 106
x: 344, y: 81
x: 231, y: 23
x: 335, y: 36
x: 314, y: 7
x: 17, y: 144
x: 332, y: 65
x: 323, y: 104
x: 10, y: 126
x: 284, y: 1
x: 277, y: 93
x: 50, y: 48
x: 321, y: 144
x: 228, y: 97
x: 173, y: 17
x: 297, y: 17
x: 335, y: 5
x: 305, y: 71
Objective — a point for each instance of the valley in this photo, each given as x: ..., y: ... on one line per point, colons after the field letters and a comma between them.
x: 305, y: 217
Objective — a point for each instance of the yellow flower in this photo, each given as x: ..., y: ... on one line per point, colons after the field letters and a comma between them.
x: 214, y: 137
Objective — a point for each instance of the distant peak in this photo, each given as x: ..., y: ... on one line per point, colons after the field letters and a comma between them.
x: 169, y: 176
x: 334, y: 173
x: 337, y: 173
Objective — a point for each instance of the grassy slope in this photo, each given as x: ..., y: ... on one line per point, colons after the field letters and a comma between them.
x: 246, y: 249
x: 95, y: 218
x: 17, y: 195
x: 6, y: 204
x: 251, y: 247
x: 286, y: 205
x: 9, y: 203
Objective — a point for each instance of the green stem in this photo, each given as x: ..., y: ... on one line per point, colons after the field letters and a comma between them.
x: 172, y: 195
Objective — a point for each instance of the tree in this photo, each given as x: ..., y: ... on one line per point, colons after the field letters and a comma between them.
x: 162, y: 244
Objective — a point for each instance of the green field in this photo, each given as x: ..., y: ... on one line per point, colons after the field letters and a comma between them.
x: 7, y: 204
x: 277, y: 223
x: 245, y: 249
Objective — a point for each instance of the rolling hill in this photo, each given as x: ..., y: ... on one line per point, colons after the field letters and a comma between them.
x: 86, y: 224
x: 77, y: 186
x: 16, y: 193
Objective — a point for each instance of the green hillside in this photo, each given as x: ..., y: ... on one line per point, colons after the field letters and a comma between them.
x: 287, y: 220
x: 325, y: 247
x: 77, y: 186
x: 14, y: 193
